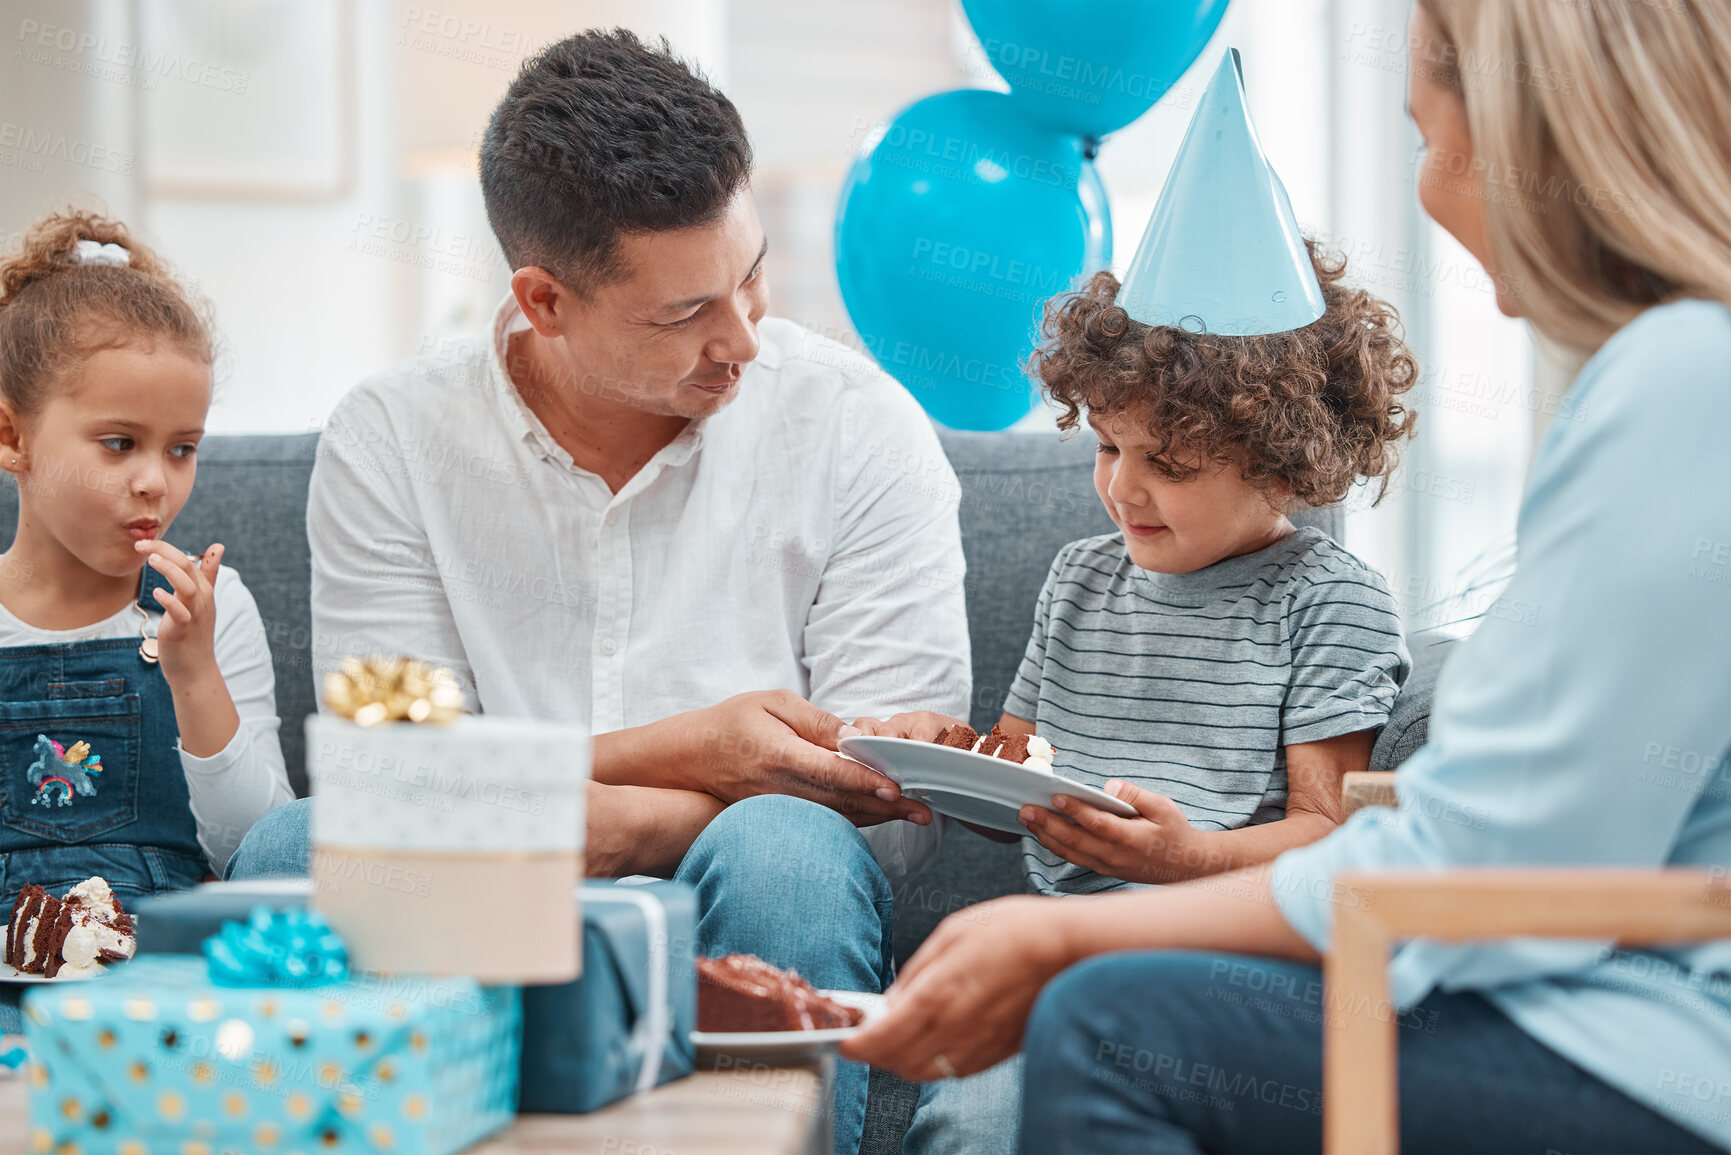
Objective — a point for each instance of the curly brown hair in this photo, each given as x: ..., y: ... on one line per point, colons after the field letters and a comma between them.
x: 1307, y: 412
x: 55, y: 312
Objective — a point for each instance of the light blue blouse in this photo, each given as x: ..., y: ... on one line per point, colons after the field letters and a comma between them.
x: 1588, y: 722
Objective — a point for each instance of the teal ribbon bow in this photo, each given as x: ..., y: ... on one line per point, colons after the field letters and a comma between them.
x: 277, y: 948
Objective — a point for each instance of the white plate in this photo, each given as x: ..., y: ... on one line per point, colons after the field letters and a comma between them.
x: 973, y: 787
x: 11, y: 974
x: 789, y: 1045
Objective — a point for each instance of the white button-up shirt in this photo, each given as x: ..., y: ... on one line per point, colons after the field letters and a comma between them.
x: 804, y: 537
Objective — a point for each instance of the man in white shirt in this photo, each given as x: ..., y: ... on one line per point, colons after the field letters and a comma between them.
x: 709, y: 536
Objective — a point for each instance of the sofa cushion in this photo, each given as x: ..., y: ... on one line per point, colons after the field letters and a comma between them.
x: 1408, y: 725
x: 1023, y: 497
x: 251, y: 495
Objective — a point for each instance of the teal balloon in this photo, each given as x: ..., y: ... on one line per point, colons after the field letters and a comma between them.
x: 1091, y: 66
x: 952, y: 231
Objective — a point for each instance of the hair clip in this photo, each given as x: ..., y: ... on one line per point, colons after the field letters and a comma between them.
x: 89, y: 252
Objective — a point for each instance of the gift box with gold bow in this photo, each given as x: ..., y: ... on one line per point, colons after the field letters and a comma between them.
x: 445, y: 843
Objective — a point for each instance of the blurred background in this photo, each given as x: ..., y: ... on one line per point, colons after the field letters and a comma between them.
x: 310, y: 166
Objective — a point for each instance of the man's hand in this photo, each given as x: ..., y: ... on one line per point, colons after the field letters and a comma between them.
x: 1155, y: 846
x: 920, y: 725
x: 767, y: 742
x: 642, y: 830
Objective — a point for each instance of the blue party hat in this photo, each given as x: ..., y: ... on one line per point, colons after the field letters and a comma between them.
x: 1223, y: 247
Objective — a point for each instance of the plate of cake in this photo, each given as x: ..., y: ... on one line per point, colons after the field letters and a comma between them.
x: 66, y: 939
x: 749, y: 1008
x: 985, y: 779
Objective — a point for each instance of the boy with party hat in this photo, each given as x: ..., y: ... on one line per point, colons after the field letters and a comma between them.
x: 1211, y: 664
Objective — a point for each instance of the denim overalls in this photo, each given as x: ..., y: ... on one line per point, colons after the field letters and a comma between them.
x: 90, y: 775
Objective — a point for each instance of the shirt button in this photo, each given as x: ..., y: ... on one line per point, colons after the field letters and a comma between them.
x: 609, y: 647
x: 612, y: 517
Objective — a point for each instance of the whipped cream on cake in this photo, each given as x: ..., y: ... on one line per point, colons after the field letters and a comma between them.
x: 1028, y: 750
x: 1040, y: 754
x: 70, y: 936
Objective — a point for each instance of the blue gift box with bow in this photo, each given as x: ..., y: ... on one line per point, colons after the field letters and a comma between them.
x: 625, y: 1025
x: 178, y: 922
x: 269, y: 1045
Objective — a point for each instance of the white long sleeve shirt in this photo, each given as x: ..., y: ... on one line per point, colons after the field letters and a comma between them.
x: 232, y: 788
x: 804, y: 537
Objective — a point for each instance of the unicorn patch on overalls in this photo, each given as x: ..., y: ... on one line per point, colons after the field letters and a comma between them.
x: 59, y: 773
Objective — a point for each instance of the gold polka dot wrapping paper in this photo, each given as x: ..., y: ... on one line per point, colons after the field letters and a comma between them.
x: 152, y: 1057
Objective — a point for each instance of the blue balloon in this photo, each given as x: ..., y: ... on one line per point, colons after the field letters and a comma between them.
x: 1091, y: 68
x: 952, y: 230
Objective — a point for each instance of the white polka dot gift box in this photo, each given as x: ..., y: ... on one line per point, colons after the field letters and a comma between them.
x: 154, y: 1058
x: 444, y: 843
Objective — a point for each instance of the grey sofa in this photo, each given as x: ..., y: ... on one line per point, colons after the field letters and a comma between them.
x: 1022, y: 498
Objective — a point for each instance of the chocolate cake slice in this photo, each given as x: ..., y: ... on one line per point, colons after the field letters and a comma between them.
x: 51, y: 939
x: 959, y: 736
x: 741, y: 992
x: 20, y: 928
x: 1028, y: 750
x: 37, y: 932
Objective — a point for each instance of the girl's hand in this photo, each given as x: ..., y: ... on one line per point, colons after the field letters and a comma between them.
x: 1159, y: 845
x: 962, y: 1001
x: 186, y: 639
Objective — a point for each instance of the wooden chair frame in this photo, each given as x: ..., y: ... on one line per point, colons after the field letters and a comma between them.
x: 1360, y: 1113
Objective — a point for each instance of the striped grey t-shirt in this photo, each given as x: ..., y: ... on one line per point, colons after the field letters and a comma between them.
x: 1192, y: 685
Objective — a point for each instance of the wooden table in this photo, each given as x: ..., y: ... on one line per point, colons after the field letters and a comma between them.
x: 753, y: 1110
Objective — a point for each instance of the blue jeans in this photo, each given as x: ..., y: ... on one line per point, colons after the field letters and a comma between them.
x: 977, y: 1115
x: 279, y: 845
x: 1168, y: 1052
x: 778, y: 877
x: 794, y: 883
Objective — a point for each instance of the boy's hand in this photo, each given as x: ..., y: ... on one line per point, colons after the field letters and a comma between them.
x: 920, y: 725
x: 1155, y: 846
x: 186, y: 638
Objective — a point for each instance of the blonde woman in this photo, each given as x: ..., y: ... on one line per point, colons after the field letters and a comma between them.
x: 1188, y: 1018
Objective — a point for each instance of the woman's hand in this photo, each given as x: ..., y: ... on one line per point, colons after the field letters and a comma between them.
x: 186, y: 638
x: 963, y: 999
x: 1159, y: 845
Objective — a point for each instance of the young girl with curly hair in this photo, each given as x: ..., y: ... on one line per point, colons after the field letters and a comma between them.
x: 1210, y: 664
x: 138, y: 725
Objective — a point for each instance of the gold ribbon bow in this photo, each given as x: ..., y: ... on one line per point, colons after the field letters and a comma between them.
x: 373, y: 690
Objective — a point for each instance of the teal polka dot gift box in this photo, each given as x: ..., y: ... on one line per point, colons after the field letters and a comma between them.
x: 155, y: 1056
